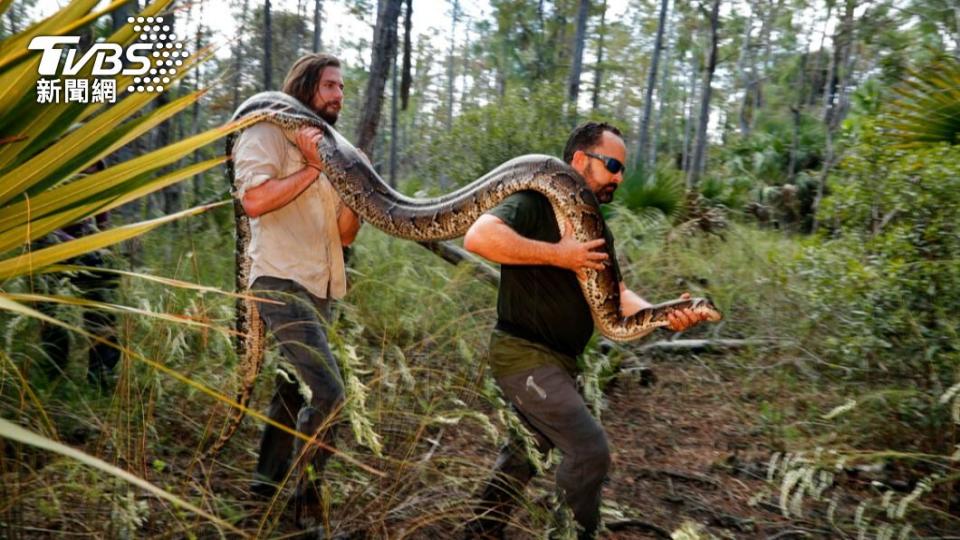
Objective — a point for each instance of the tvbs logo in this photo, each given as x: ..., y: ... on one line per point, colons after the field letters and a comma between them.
x: 152, y: 62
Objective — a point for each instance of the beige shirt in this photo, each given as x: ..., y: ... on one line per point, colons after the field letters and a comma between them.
x: 300, y: 241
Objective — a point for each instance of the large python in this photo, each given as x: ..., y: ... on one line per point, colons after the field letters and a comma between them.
x: 434, y: 219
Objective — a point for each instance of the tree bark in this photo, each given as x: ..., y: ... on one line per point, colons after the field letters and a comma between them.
x: 317, y: 21
x: 700, y: 154
x: 407, y: 77
x: 384, y: 49
x: 815, y: 71
x: 843, y: 43
x: 643, y: 150
x: 267, y: 48
x: 237, y: 54
x: 393, y: 125
x: 450, y: 71
x: 576, y: 67
x: 598, y: 67
x: 758, y: 80
x: 662, y: 98
x: 689, y: 105
x: 743, y: 76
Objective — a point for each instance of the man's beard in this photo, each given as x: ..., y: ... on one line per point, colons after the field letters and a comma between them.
x: 605, y: 194
x: 328, y: 111
x: 329, y: 116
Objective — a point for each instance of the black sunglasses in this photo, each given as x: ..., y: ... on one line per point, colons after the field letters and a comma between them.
x: 612, y: 164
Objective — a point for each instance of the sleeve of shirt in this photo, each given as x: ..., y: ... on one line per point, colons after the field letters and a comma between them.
x: 519, y: 211
x: 258, y: 157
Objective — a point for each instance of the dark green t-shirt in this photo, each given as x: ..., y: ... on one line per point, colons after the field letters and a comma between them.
x: 538, y: 303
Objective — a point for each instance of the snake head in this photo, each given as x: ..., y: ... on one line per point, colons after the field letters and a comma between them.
x: 706, y: 309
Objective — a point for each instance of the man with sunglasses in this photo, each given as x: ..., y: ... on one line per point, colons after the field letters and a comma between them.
x: 543, y: 324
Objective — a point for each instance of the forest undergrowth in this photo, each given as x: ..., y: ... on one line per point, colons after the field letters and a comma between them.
x: 423, y: 417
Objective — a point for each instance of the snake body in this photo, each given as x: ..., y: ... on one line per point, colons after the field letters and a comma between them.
x: 432, y: 219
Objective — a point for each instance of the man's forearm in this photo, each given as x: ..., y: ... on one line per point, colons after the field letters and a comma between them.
x: 630, y: 302
x: 277, y: 192
x: 499, y: 243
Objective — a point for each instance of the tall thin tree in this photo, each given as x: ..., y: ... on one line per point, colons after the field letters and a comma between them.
x: 663, y: 95
x: 384, y: 49
x: 643, y: 150
x: 393, y: 123
x: 448, y: 120
x: 700, y: 153
x: 406, y: 78
x: 317, y: 24
x: 598, y: 66
x: 576, y: 67
x: 267, y: 48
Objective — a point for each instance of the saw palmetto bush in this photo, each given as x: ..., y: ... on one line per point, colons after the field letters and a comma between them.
x: 45, y: 148
x: 927, y: 105
x: 883, y: 283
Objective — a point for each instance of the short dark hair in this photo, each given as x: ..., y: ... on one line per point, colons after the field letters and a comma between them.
x: 586, y: 136
x: 302, y: 79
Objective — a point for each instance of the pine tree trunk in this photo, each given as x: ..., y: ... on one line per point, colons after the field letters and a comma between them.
x: 598, y: 67
x: 448, y: 124
x: 689, y: 107
x: 573, y: 83
x: 465, y: 66
x: 743, y: 75
x: 237, y: 54
x: 700, y: 154
x: 662, y: 98
x: 384, y: 49
x: 815, y: 71
x: 393, y: 124
x: 842, y: 44
x: 407, y: 78
x: 317, y: 12
x: 267, y: 48
x: 643, y: 150
x: 765, y: 38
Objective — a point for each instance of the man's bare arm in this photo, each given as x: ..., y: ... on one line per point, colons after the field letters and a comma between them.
x: 631, y: 302
x: 494, y: 240
x: 278, y: 192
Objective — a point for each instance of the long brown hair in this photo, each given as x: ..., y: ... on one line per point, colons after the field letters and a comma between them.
x: 302, y: 79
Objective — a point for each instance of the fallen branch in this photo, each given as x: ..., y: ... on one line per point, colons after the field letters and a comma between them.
x: 681, y: 475
x: 704, y: 345
x: 455, y: 255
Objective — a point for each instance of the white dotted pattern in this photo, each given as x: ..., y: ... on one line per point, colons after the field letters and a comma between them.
x: 164, y: 57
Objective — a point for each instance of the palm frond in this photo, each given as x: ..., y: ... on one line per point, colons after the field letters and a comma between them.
x: 927, y: 109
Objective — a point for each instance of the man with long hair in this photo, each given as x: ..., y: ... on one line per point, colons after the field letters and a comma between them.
x: 298, y: 228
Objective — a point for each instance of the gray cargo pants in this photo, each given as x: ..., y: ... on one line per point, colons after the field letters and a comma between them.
x: 547, y: 400
x: 309, y: 384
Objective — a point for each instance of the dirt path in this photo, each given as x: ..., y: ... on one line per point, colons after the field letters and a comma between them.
x: 686, y: 448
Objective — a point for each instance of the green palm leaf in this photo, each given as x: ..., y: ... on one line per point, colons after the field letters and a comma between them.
x: 927, y: 108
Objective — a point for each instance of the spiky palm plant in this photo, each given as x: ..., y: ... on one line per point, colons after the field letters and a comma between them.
x: 928, y: 106
x: 45, y: 147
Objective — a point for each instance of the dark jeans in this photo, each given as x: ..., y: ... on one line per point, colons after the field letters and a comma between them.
x: 547, y: 400
x: 55, y: 340
x: 309, y: 385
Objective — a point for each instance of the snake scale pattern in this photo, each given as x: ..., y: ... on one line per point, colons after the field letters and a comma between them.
x: 433, y: 219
